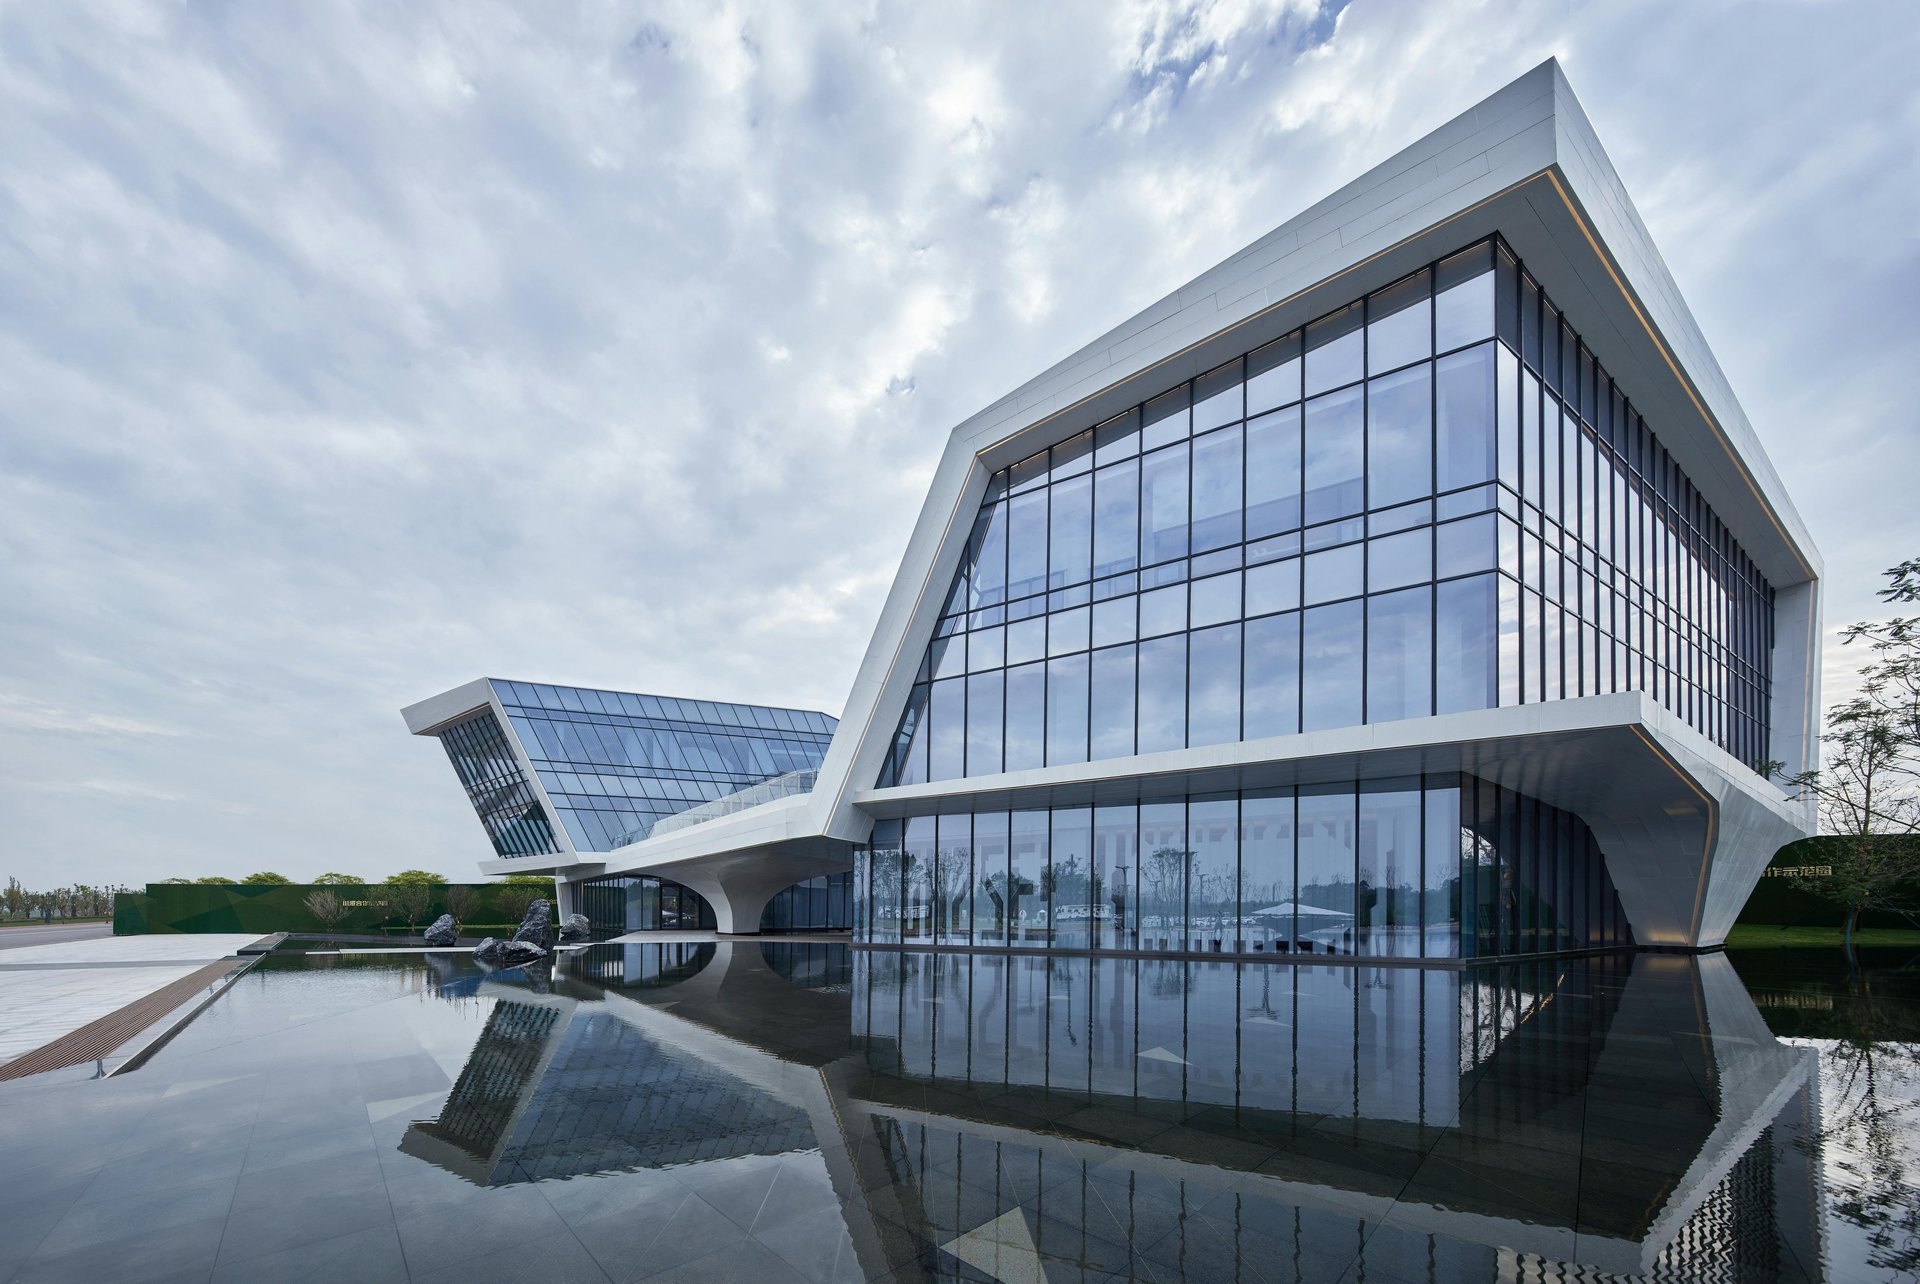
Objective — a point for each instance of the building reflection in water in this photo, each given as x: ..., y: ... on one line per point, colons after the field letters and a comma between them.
x: 1627, y: 1115
x: 559, y: 1088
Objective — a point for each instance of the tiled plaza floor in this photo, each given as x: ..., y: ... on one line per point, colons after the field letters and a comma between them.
x: 47, y: 991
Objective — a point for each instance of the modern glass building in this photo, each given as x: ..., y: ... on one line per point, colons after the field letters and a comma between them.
x: 610, y: 767
x: 1411, y: 585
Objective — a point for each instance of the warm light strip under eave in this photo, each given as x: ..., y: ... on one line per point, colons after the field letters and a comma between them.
x: 1666, y: 355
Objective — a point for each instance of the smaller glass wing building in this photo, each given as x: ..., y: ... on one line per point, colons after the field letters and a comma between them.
x: 565, y: 773
x: 615, y: 763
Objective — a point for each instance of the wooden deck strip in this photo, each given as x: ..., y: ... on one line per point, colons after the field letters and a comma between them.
x: 100, y: 1037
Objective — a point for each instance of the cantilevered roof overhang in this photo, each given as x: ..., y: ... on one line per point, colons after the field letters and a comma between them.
x: 1646, y: 783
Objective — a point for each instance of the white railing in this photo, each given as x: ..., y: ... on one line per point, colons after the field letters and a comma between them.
x: 782, y: 786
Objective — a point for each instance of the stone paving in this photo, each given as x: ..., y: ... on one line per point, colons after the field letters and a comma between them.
x: 26, y: 935
x: 47, y: 991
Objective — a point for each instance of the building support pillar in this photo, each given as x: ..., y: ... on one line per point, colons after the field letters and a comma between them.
x: 739, y: 884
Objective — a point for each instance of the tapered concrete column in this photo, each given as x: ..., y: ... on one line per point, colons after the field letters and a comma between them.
x: 1685, y: 857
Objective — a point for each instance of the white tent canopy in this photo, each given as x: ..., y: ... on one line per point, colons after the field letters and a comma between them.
x: 1288, y: 909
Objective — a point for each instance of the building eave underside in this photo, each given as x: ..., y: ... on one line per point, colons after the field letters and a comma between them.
x: 1658, y: 795
x: 1593, y: 756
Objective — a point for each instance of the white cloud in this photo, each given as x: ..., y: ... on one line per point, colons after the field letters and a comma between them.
x: 22, y: 713
x: 355, y: 351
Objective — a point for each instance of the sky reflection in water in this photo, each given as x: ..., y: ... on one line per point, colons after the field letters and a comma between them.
x: 807, y: 1111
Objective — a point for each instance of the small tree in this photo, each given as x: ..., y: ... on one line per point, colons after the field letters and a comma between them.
x: 460, y: 901
x: 338, y: 880
x: 1868, y: 791
x: 410, y: 901
x: 266, y: 878
x: 518, y: 892
x: 1162, y: 881
x: 326, y: 905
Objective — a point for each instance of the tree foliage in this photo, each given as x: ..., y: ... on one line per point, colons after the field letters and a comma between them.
x: 410, y: 900
x: 1867, y: 789
x: 414, y: 876
x: 339, y: 880
x: 215, y: 880
x: 78, y: 900
x: 266, y: 878
x: 327, y: 906
x: 461, y: 901
x: 518, y: 892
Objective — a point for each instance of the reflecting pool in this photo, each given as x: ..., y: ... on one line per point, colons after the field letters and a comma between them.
x: 782, y: 1111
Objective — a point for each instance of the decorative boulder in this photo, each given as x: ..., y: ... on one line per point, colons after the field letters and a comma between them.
x: 515, y: 953
x: 442, y: 931
x: 537, y: 927
x: 574, y: 929
x: 490, y: 951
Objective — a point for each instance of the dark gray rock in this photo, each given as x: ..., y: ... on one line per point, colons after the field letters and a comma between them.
x: 515, y: 953
x: 537, y: 927
x: 442, y: 931
x: 574, y: 929
x: 490, y: 951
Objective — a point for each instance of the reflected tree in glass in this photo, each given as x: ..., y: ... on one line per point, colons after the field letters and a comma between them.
x: 1069, y: 875
x: 1163, y: 875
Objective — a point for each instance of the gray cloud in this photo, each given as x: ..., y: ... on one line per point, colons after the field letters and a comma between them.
x: 351, y: 352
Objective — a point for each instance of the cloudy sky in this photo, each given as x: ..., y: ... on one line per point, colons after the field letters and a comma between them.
x: 348, y: 353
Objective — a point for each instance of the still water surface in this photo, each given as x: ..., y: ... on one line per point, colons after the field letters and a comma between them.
x: 804, y: 1111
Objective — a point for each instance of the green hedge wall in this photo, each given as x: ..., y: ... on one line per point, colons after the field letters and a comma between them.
x: 1776, y: 900
x: 238, y: 907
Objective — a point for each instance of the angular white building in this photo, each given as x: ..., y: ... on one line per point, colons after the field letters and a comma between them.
x: 1409, y: 585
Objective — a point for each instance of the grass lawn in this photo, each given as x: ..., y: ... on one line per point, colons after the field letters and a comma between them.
x: 58, y: 922
x: 1750, y: 936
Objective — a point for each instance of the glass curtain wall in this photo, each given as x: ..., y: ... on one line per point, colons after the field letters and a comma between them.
x: 817, y: 904
x: 614, y: 762
x: 1295, y: 540
x: 501, y: 795
x: 642, y: 904
x: 1439, y: 867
